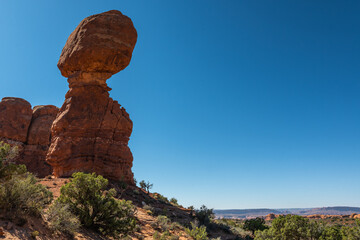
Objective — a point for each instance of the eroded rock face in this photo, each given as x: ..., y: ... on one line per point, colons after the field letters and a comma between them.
x: 91, y: 131
x: 29, y: 129
x: 100, y: 43
x: 15, y: 118
x: 40, y: 128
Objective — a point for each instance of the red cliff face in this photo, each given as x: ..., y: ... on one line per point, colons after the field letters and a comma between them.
x: 91, y: 131
x: 29, y: 129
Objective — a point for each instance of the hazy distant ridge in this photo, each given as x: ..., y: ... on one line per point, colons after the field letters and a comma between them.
x: 244, y: 213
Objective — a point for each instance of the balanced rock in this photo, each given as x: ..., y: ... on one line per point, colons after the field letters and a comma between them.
x: 29, y: 130
x: 91, y: 131
x: 100, y: 43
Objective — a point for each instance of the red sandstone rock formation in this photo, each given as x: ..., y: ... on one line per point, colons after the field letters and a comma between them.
x: 15, y: 118
x: 91, y: 131
x: 270, y: 216
x: 29, y: 130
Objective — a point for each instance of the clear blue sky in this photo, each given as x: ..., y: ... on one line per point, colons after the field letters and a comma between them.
x: 235, y: 104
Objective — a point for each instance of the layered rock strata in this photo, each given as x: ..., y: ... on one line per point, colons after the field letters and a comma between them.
x: 29, y: 129
x: 91, y: 131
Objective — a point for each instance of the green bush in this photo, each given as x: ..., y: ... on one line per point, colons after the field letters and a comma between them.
x: 20, y: 194
x: 254, y: 225
x: 165, y: 236
x: 331, y: 233
x: 174, y: 201
x: 161, y: 198
x: 350, y: 233
x: 7, y: 167
x: 163, y: 222
x: 204, y: 215
x: 296, y: 227
x: 62, y: 219
x: 197, y: 233
x: 97, y: 208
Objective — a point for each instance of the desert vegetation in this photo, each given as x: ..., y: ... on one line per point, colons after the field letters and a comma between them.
x: 19, y: 193
x: 91, y: 202
x: 297, y: 227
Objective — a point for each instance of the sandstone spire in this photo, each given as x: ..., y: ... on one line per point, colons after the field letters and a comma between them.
x: 91, y: 131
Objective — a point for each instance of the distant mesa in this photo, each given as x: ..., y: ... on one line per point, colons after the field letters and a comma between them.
x: 90, y: 132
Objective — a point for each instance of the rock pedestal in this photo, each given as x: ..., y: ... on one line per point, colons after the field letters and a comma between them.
x: 91, y: 131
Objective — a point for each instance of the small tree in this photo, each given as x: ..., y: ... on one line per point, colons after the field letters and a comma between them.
x: 146, y: 186
x: 254, y: 225
x: 97, y: 208
x: 204, y: 215
x: 174, y: 201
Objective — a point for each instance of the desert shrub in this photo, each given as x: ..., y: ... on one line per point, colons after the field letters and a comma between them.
x: 20, y: 194
x: 254, y: 225
x: 314, y: 229
x: 161, y: 198
x: 204, y: 215
x: 174, y: 201
x: 96, y: 208
x: 7, y: 167
x: 34, y: 234
x: 149, y: 209
x: 285, y: 227
x: 176, y: 225
x: 295, y: 227
x: 331, y: 233
x: 165, y: 236
x: 350, y: 233
x: 197, y: 233
x: 265, y: 235
x: 146, y: 186
x: 163, y: 222
x: 62, y: 219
